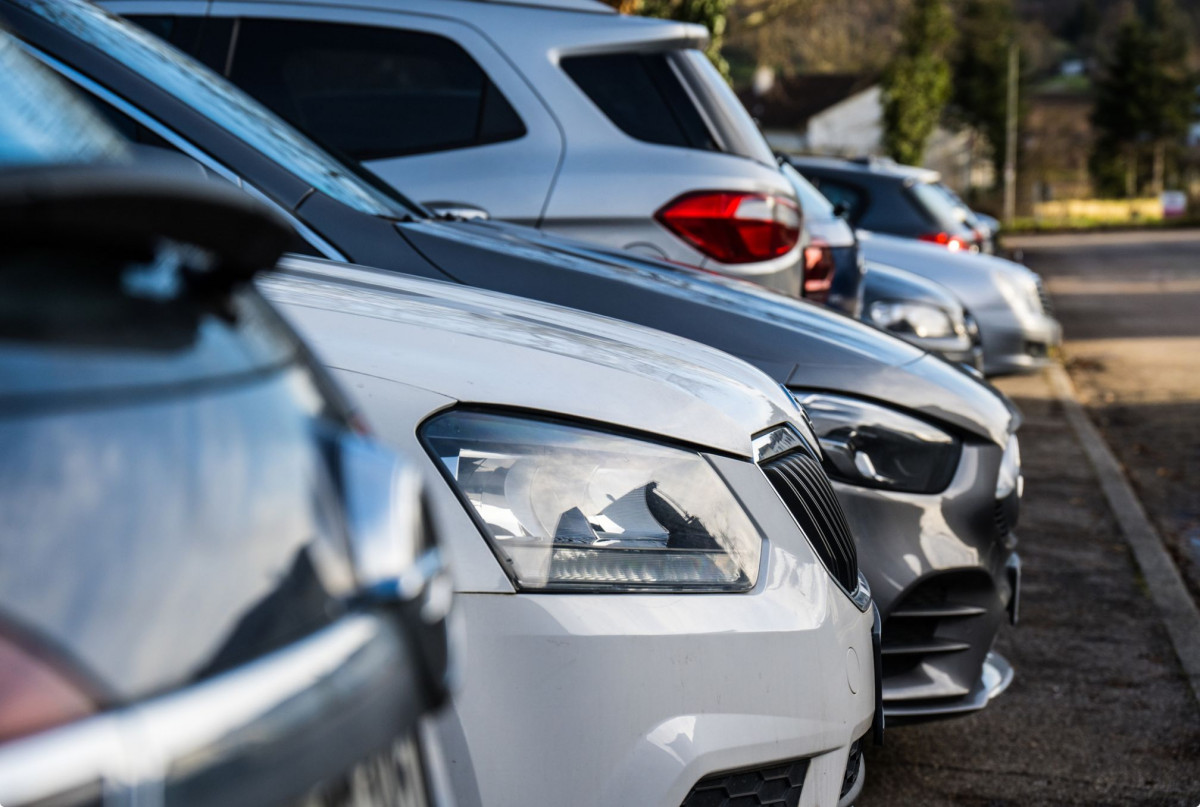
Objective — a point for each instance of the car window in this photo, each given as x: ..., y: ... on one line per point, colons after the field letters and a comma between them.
x: 41, y: 121
x: 370, y: 92
x: 643, y: 96
x: 216, y: 99
x: 839, y: 193
x: 938, y: 204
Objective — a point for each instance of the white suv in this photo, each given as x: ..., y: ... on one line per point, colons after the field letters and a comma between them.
x: 559, y: 114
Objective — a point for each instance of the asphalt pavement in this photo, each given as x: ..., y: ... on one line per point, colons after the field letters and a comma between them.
x: 1100, y: 712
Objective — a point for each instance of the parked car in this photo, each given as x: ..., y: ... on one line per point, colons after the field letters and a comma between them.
x: 886, y: 197
x: 921, y: 312
x: 881, y: 400
x: 904, y: 304
x: 200, y: 602
x: 559, y: 114
x: 644, y: 542
x: 1009, y: 302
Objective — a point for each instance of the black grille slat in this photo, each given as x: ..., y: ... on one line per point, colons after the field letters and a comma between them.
x: 802, y: 484
x: 778, y: 785
x: 1044, y: 297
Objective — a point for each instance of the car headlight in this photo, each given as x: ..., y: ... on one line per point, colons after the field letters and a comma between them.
x: 1010, y: 478
x: 912, y: 318
x: 872, y: 446
x: 571, y: 508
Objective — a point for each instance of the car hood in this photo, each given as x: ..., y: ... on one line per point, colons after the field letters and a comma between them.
x: 487, y: 348
x: 793, y: 341
x: 970, y: 275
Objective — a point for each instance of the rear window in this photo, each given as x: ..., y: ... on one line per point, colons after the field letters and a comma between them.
x: 938, y: 204
x: 643, y: 96
x: 815, y: 206
x: 371, y: 93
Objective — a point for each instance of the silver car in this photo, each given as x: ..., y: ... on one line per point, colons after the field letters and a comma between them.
x: 1008, y: 301
x: 561, y: 115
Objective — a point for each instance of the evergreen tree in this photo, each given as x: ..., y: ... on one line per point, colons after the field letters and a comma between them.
x: 980, y: 100
x: 917, y: 83
x: 1144, y: 102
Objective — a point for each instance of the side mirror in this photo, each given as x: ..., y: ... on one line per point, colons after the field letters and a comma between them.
x: 394, y: 548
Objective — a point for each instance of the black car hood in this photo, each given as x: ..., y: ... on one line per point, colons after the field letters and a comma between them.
x: 797, y: 343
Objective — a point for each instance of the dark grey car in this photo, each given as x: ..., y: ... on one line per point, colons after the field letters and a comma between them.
x: 923, y: 441
x: 192, y: 610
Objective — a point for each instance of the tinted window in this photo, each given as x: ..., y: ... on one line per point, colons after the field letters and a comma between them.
x: 643, y: 96
x: 938, y: 204
x: 370, y: 92
x: 214, y: 98
x: 854, y: 198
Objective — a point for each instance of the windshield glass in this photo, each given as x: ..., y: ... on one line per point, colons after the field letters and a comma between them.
x: 41, y: 121
x: 816, y: 207
x: 218, y: 100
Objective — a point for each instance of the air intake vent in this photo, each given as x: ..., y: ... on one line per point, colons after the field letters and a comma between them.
x: 776, y: 786
x: 804, y: 488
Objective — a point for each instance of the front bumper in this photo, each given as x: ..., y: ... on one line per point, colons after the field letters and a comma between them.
x: 636, y: 699
x: 1014, y: 345
x: 941, y: 572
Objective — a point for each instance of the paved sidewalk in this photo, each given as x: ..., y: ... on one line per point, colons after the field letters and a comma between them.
x: 1099, y: 713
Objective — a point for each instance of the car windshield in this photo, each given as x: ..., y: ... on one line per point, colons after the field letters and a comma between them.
x: 815, y: 206
x: 219, y: 101
x: 939, y: 204
x: 41, y: 121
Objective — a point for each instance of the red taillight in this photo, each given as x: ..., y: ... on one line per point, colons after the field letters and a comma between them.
x: 818, y: 271
x: 734, y: 227
x: 953, y: 243
x: 34, y: 695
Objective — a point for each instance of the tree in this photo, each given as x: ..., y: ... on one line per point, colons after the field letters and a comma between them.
x: 917, y: 83
x: 1144, y: 101
x: 987, y: 29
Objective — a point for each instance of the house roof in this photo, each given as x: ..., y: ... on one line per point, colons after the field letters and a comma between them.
x: 793, y: 100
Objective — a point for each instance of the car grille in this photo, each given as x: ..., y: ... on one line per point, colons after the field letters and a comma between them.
x: 805, y: 489
x: 1044, y: 297
x: 777, y: 785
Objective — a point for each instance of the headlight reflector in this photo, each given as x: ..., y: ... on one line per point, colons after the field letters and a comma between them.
x: 872, y: 446
x: 912, y: 318
x: 570, y: 508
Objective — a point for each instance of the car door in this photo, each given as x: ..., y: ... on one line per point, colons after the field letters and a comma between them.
x: 425, y: 102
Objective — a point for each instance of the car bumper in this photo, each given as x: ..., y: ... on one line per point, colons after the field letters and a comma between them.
x: 1012, y: 345
x: 635, y: 699
x: 940, y: 569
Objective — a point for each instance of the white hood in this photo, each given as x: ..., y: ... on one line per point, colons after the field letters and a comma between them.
x: 481, y: 347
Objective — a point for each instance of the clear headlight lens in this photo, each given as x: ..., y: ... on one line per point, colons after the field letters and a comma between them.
x: 569, y: 508
x: 918, y: 319
x: 876, y: 447
x: 1010, y: 478
x: 1020, y: 290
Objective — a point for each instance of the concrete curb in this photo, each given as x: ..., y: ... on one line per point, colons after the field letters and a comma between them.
x: 1167, y: 590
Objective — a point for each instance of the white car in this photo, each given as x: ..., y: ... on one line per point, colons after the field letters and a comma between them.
x: 650, y: 565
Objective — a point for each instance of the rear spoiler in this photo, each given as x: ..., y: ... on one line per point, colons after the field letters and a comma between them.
x: 135, y: 208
